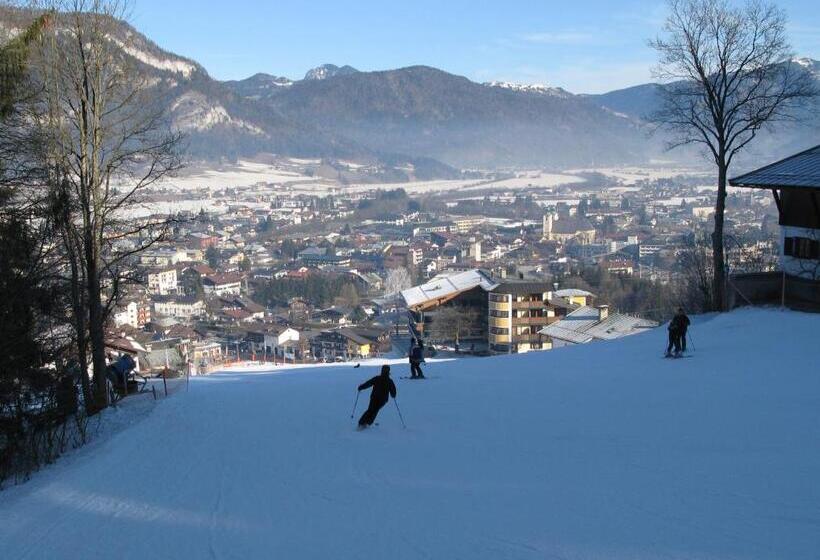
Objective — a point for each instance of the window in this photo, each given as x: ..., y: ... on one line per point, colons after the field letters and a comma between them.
x: 801, y: 248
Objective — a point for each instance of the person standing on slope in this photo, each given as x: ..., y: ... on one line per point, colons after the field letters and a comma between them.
x: 677, y: 333
x: 383, y: 389
x: 683, y: 326
x: 416, y: 359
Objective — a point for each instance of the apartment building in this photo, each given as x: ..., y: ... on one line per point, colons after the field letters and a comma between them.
x: 518, y: 310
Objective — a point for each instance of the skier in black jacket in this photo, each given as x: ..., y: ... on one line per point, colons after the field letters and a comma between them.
x: 677, y: 333
x: 416, y: 359
x: 383, y: 389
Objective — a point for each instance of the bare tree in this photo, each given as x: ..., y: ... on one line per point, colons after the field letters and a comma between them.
x: 107, y: 140
x: 454, y: 323
x: 727, y: 74
x: 398, y: 279
x: 694, y: 284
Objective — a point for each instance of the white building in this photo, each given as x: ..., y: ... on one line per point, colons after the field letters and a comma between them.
x: 162, y: 256
x: 180, y: 308
x: 133, y: 314
x: 163, y: 282
x: 282, y: 343
x: 222, y: 284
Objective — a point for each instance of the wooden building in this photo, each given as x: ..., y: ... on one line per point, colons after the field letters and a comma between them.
x: 795, y: 185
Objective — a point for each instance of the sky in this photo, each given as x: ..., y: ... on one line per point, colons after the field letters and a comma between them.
x: 583, y: 46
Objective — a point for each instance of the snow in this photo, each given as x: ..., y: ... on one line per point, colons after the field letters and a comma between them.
x: 193, y: 111
x: 244, y: 173
x: 599, y: 451
x: 631, y: 175
x: 534, y: 179
x: 531, y: 88
x: 175, y: 65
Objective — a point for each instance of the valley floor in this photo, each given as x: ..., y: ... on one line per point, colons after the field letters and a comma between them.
x: 602, y: 451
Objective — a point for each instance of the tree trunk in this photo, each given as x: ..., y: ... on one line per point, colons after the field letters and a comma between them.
x: 719, y: 272
x: 79, y: 327
x: 96, y: 325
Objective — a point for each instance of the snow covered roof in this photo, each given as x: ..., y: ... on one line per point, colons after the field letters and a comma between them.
x: 584, y: 325
x: 445, y: 286
x: 573, y: 292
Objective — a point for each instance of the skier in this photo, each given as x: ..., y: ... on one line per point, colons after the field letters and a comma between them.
x: 677, y: 333
x: 683, y: 326
x: 416, y: 359
x: 383, y: 389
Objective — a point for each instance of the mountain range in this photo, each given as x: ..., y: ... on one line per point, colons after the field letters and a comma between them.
x: 422, y: 117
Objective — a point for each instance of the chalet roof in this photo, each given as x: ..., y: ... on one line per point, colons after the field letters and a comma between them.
x: 124, y: 344
x: 800, y: 171
x: 201, y: 269
x: 221, y: 279
x: 179, y: 300
x: 444, y: 286
x: 518, y: 287
x: 584, y: 325
x: 573, y: 292
x: 355, y: 337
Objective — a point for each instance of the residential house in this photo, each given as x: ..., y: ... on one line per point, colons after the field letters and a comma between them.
x: 222, y: 284
x: 134, y: 313
x: 795, y: 185
x: 181, y: 307
x: 163, y: 281
x: 206, y: 353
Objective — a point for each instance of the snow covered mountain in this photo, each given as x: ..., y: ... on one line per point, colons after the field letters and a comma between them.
x: 603, y: 451
x: 326, y: 71
x: 531, y: 88
x: 418, y: 116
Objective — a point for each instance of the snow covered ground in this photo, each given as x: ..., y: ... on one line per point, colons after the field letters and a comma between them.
x: 605, y: 451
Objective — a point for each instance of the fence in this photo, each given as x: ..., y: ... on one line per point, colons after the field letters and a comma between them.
x: 773, y: 288
x: 42, y: 426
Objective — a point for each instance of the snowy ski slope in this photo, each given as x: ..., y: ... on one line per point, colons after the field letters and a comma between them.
x: 603, y: 451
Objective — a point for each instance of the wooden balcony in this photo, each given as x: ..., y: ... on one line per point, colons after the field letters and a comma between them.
x: 531, y: 321
x: 530, y: 304
x: 531, y: 338
x: 503, y: 322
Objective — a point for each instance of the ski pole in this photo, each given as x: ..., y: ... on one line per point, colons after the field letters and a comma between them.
x: 689, y: 338
x: 355, y: 403
x: 400, y: 416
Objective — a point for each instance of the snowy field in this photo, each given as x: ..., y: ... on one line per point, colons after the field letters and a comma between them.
x: 631, y: 175
x: 242, y: 174
x: 605, y: 451
x: 533, y: 179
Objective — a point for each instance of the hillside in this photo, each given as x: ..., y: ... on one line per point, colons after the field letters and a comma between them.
x: 405, y: 116
x: 605, y: 451
x: 426, y: 112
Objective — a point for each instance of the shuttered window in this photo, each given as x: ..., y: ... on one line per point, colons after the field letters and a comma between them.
x: 801, y: 248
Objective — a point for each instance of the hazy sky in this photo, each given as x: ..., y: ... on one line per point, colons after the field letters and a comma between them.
x: 583, y: 46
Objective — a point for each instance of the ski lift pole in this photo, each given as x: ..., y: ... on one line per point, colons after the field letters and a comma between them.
x: 395, y: 402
